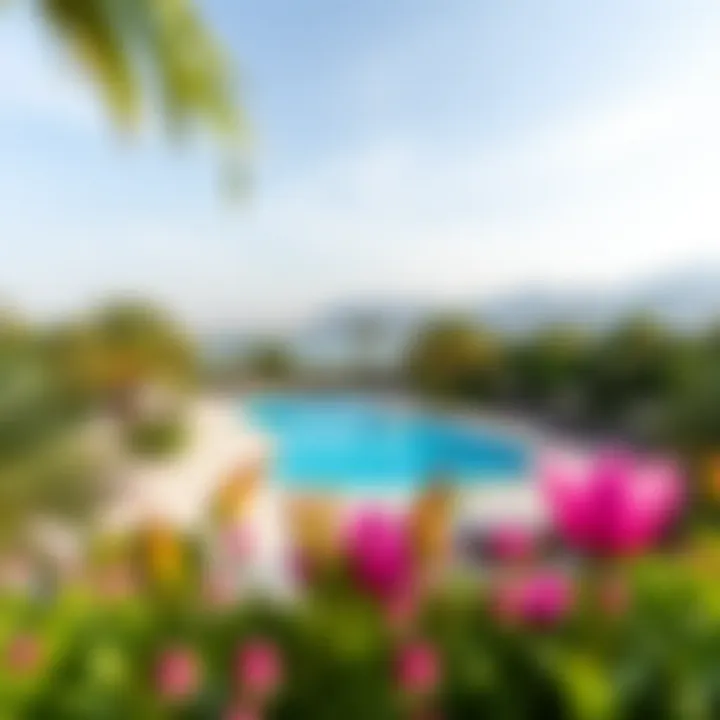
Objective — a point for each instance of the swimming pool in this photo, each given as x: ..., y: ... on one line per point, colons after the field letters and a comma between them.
x: 341, y: 442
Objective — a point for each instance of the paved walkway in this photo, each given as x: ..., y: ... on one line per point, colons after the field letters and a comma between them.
x: 180, y: 491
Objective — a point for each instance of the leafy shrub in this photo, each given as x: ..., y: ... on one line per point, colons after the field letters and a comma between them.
x: 331, y: 654
x: 155, y: 438
x: 165, y: 628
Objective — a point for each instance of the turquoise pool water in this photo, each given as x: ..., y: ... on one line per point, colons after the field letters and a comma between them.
x: 353, y: 443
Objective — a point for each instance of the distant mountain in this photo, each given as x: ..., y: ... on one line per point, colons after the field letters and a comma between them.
x: 527, y: 311
x: 689, y: 299
x: 686, y: 300
x: 376, y: 332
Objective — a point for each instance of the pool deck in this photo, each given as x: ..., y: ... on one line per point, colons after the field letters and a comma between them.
x: 180, y: 490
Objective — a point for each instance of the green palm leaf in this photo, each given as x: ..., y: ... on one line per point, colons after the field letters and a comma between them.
x: 140, y: 50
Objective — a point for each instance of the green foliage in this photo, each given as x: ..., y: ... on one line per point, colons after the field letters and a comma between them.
x: 272, y: 361
x: 44, y: 466
x: 27, y: 411
x: 548, y: 369
x: 157, y: 437
x: 694, y: 404
x: 140, y: 51
x: 638, y: 380
x: 55, y: 380
x: 107, y: 356
x: 452, y: 358
x: 263, y: 361
x: 633, y: 370
x: 60, y: 478
x: 657, y: 659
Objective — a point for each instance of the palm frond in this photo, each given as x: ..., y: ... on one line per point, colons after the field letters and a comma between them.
x: 88, y: 27
x: 144, y: 50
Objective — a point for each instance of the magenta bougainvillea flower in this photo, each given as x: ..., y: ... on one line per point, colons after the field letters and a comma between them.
x: 613, y: 503
x: 259, y: 668
x: 379, y: 554
x: 418, y: 668
x: 178, y: 673
x: 543, y: 598
x: 511, y: 542
x: 241, y: 714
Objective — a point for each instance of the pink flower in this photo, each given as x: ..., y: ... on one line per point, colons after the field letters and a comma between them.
x: 237, y: 542
x: 512, y: 542
x: 614, y: 503
x: 418, y: 668
x: 178, y: 674
x: 23, y: 654
x: 259, y: 668
x: 401, y: 609
x: 543, y: 598
x: 379, y: 553
x: 241, y: 714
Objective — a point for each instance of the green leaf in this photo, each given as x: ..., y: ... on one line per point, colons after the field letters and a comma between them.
x: 588, y: 687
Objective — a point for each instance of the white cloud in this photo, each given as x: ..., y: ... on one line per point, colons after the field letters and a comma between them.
x: 611, y: 192
x: 604, y: 195
x: 621, y: 187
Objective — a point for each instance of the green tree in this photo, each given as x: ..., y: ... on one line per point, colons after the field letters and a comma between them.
x: 52, y: 380
x: 693, y: 408
x: 547, y: 370
x: 119, y: 349
x: 632, y: 373
x: 454, y: 358
x: 270, y: 360
x: 44, y: 465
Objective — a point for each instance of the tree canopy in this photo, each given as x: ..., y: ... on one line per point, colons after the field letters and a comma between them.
x: 54, y: 381
x: 454, y: 358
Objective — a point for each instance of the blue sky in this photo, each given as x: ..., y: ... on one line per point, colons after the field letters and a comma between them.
x: 436, y: 149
